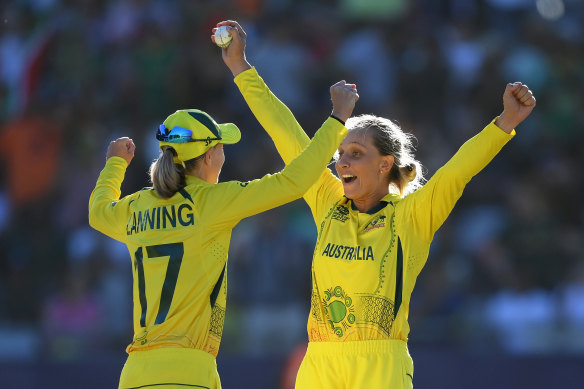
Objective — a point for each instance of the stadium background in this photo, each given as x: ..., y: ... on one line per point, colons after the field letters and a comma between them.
x: 501, y: 300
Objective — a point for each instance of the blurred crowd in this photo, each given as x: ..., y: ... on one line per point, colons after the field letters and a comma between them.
x: 505, y: 272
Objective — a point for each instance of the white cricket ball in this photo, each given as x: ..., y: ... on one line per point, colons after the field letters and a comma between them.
x: 222, y: 37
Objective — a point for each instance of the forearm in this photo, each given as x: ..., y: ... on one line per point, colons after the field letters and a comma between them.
x: 504, y: 124
x: 429, y: 206
x: 278, y: 121
x: 107, y: 190
x: 477, y: 152
x: 317, y: 154
x: 273, y: 190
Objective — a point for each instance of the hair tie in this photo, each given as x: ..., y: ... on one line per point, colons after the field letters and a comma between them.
x: 178, y: 161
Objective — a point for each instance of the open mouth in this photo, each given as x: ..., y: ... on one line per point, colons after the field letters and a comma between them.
x: 348, y: 178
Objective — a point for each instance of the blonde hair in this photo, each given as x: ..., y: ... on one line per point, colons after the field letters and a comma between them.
x: 167, y: 176
x: 405, y: 176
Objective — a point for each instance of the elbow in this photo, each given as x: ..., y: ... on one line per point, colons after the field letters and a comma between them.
x: 295, y: 187
x: 92, y: 216
x: 92, y: 219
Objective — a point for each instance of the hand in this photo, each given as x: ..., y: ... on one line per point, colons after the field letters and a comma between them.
x: 518, y: 102
x: 121, y: 147
x: 234, y: 54
x: 344, y: 97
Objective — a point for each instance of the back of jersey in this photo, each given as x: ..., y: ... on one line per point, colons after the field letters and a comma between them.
x: 179, y: 272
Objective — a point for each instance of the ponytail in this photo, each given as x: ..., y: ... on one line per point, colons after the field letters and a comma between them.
x: 167, y: 177
x: 405, y: 178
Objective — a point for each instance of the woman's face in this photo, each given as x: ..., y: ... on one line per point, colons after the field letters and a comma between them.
x: 362, y: 169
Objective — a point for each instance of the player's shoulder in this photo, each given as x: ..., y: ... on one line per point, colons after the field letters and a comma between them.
x: 232, y: 185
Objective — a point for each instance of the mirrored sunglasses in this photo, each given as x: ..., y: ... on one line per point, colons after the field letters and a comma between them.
x: 179, y: 135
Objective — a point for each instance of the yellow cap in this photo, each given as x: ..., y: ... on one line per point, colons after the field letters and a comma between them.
x: 191, y: 132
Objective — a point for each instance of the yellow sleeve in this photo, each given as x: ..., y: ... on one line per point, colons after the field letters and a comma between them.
x: 235, y: 201
x: 105, y: 211
x: 272, y: 114
x: 426, y: 209
x: 288, y: 136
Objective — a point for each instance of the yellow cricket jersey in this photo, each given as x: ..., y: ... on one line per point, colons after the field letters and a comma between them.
x: 365, y: 265
x: 179, y: 245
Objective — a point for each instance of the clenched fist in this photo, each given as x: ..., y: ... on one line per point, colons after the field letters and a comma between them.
x: 122, y: 147
x: 518, y: 102
x: 344, y: 96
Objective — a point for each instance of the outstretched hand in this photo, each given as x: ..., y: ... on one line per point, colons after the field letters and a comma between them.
x: 518, y: 102
x: 234, y: 54
x: 121, y: 147
x: 344, y: 96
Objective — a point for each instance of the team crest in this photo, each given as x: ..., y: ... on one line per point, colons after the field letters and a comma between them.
x: 378, y: 222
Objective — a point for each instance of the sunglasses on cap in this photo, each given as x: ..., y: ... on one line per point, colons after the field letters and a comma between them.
x: 179, y: 135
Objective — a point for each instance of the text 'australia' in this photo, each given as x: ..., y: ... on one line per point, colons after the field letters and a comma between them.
x: 357, y: 253
x: 160, y: 217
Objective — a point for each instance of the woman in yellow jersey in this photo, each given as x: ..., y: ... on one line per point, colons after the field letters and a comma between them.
x: 178, y: 235
x: 375, y: 225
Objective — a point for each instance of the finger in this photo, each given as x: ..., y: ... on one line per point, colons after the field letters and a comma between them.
x: 516, y: 85
x: 227, y: 23
x: 512, y: 87
x: 213, y: 38
x: 521, y: 92
x: 526, y: 98
x: 233, y: 32
x: 235, y: 24
x: 525, y: 94
x: 235, y: 35
x: 531, y: 102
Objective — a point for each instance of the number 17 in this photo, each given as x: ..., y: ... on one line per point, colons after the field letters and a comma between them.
x: 175, y: 253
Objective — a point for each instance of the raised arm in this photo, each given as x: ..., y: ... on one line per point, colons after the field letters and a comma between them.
x: 427, y: 209
x: 246, y: 199
x: 278, y: 121
x: 105, y: 211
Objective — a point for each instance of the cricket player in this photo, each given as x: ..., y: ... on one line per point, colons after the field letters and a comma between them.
x: 375, y: 225
x: 178, y: 235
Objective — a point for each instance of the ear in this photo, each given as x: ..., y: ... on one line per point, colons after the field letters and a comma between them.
x: 386, y: 163
x: 208, y: 157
